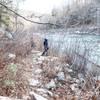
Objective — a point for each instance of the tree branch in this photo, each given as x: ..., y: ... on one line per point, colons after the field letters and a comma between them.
x: 26, y: 18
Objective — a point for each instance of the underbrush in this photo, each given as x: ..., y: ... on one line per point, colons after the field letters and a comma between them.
x: 13, y: 82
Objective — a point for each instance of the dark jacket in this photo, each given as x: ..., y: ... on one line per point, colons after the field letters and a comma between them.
x: 45, y: 44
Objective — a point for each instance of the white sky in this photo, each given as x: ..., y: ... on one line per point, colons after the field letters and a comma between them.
x: 41, y: 6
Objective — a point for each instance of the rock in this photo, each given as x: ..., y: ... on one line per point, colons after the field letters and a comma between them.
x: 82, y: 80
x: 34, y: 61
x: 11, y: 56
x: 80, y: 75
x: 4, y: 98
x: 70, y: 70
x: 31, y: 66
x: 7, y: 98
x: 39, y: 62
x: 25, y: 97
x: 51, y: 84
x: 44, y: 91
x: 74, y: 87
x: 9, y: 35
x: 37, y: 97
x: 41, y: 58
x: 67, y: 65
x: 33, y: 82
x: 76, y: 80
x: 53, y: 59
x: 61, y: 76
x: 38, y: 71
x: 39, y: 54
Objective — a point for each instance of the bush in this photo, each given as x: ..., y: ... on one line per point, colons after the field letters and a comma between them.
x: 12, y: 80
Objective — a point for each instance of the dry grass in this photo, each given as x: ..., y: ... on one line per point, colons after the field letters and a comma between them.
x: 48, y: 73
x: 13, y: 81
x: 38, y: 43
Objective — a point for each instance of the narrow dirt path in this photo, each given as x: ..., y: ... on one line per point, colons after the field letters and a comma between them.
x: 37, y: 65
x: 33, y: 71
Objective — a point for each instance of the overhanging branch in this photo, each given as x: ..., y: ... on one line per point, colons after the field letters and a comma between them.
x: 26, y: 18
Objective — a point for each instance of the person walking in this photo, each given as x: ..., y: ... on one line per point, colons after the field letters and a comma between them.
x: 45, y: 43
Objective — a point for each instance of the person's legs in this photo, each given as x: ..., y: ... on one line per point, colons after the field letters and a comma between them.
x: 44, y: 52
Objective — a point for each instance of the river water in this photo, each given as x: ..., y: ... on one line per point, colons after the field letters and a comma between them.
x: 88, y: 43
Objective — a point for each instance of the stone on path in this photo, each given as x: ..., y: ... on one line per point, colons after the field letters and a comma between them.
x: 60, y: 76
x: 51, y: 84
x: 7, y: 98
x: 37, y: 97
x: 33, y: 82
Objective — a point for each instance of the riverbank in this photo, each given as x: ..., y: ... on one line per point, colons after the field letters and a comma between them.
x: 26, y: 75
x: 82, y: 30
x: 50, y: 78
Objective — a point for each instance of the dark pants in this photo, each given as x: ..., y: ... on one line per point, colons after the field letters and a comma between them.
x: 45, y: 52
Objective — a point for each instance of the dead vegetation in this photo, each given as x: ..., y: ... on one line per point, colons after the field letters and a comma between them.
x: 64, y: 72
x: 13, y: 81
x: 72, y: 88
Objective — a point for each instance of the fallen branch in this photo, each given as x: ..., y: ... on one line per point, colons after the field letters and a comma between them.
x: 26, y: 18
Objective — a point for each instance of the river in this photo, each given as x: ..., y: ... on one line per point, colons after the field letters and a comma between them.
x: 88, y: 43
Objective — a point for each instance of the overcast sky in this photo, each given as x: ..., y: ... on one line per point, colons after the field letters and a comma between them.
x: 42, y: 6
